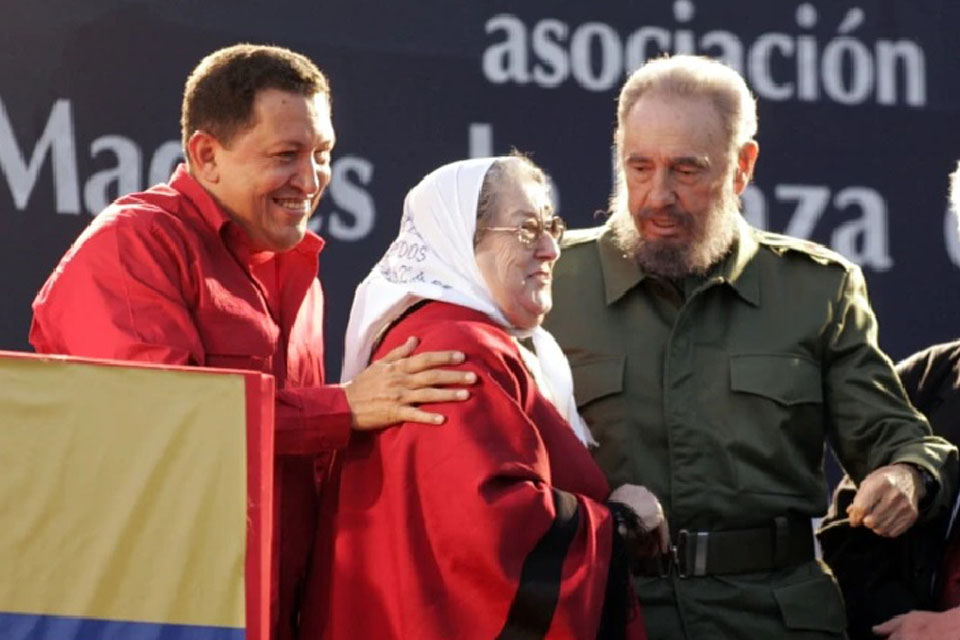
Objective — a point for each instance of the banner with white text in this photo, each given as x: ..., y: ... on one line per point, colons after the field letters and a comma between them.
x: 858, y: 105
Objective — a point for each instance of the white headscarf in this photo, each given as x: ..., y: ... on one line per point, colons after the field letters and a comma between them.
x: 433, y: 258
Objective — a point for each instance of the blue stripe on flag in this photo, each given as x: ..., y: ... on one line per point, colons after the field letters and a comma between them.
x: 19, y: 626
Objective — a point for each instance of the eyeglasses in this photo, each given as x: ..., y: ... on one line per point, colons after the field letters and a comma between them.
x: 529, y: 231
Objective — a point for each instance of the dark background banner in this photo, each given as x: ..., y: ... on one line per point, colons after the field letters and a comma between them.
x: 858, y: 120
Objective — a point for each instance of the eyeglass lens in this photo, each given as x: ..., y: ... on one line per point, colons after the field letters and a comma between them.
x: 531, y: 229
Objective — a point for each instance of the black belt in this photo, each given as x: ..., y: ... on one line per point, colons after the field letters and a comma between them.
x: 785, y: 542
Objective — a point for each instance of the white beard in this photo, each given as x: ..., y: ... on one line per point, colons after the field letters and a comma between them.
x: 713, y: 235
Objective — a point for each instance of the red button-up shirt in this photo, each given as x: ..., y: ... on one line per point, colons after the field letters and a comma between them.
x: 164, y: 276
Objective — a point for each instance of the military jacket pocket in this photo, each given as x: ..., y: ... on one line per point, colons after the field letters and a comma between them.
x: 773, y: 423
x: 813, y: 605
x: 784, y: 378
x: 596, y: 376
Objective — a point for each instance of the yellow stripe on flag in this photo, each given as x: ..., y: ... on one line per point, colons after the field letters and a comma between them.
x: 122, y: 492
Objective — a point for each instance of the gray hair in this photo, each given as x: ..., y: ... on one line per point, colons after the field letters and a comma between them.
x: 513, y: 166
x: 693, y: 76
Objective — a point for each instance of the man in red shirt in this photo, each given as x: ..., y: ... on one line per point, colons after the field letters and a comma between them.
x: 217, y: 268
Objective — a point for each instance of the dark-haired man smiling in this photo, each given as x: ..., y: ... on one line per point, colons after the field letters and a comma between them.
x: 217, y: 268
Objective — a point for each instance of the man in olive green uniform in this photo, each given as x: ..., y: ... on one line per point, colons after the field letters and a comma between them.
x: 712, y: 361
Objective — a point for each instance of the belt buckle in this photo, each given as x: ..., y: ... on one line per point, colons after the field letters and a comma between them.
x: 679, y: 553
x: 690, y: 564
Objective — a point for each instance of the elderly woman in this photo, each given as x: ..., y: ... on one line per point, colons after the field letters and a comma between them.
x: 494, y: 524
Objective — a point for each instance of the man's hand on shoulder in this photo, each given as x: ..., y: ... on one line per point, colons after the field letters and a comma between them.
x: 887, y: 500
x: 922, y: 625
x: 391, y: 389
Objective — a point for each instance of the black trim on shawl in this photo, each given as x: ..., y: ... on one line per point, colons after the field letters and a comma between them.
x: 535, y: 602
x: 618, y: 609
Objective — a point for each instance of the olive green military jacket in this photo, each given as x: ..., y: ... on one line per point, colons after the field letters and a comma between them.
x: 719, y: 395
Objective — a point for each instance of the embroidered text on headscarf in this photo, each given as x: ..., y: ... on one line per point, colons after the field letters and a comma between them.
x: 433, y: 258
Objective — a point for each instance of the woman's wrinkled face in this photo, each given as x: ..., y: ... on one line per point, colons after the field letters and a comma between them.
x: 518, y: 275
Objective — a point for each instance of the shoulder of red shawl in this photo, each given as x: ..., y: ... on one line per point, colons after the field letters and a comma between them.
x: 442, y: 326
x: 489, y: 349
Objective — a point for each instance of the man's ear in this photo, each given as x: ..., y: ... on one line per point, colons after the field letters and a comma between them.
x: 202, y: 150
x: 746, y: 160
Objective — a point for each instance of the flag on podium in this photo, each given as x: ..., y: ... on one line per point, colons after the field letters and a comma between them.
x: 135, y: 501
